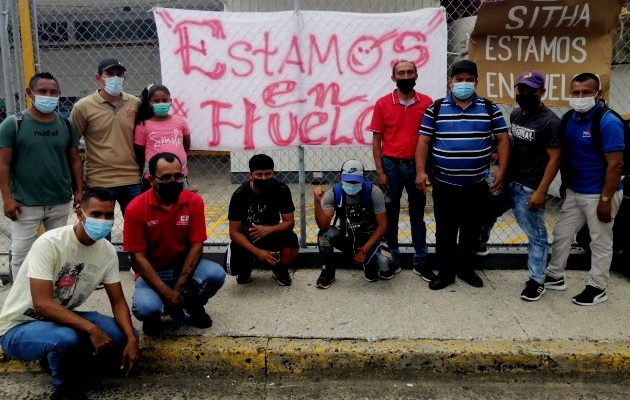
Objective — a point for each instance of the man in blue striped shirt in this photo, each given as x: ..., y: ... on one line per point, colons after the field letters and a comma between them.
x: 458, y: 138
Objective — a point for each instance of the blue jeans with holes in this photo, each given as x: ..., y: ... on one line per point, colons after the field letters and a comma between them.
x: 332, y: 239
x: 532, y: 222
x: 60, y: 345
x: 205, y: 282
x: 403, y: 176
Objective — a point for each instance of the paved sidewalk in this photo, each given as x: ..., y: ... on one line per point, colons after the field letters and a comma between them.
x: 395, y: 325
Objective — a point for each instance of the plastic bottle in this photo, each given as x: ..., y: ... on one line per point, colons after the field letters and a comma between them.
x: 489, y: 178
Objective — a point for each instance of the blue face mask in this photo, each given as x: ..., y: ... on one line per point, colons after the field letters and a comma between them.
x: 45, y: 104
x: 113, y: 85
x: 97, y: 228
x: 463, y: 90
x: 351, y: 188
x: 161, y: 109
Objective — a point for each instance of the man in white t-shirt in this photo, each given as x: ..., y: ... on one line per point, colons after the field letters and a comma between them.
x: 62, y: 269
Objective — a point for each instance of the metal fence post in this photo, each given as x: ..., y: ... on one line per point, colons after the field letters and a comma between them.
x: 9, y: 90
x: 297, y: 6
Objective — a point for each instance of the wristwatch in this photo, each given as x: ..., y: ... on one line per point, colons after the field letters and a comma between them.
x: 604, y: 199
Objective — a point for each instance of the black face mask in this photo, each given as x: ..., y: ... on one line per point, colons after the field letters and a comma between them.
x: 265, y: 185
x: 169, y: 191
x: 528, y: 102
x: 405, y: 85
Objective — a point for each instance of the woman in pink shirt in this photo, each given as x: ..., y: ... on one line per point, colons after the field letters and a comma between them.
x: 157, y: 131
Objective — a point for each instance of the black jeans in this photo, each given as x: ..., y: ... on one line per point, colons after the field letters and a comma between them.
x: 238, y: 260
x: 459, y: 212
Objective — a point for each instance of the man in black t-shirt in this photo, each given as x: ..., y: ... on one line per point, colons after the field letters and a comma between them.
x: 261, y: 225
x: 534, y: 162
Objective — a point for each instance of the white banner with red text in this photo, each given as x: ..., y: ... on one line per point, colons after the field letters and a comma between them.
x: 256, y: 81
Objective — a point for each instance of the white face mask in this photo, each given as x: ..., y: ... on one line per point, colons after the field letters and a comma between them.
x: 582, y: 104
x: 113, y: 85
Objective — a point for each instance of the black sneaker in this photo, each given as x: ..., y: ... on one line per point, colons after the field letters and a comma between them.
x: 471, y: 278
x: 396, y: 266
x: 152, y: 327
x: 244, y: 277
x: 425, y: 273
x: 386, y: 275
x: 198, y: 317
x: 281, y: 274
x: 533, y: 290
x: 590, y: 296
x: 555, y: 283
x: 326, y: 278
x: 69, y: 394
x: 482, y: 251
x: 370, y: 273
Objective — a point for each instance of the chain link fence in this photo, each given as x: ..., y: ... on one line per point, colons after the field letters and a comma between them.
x: 72, y: 36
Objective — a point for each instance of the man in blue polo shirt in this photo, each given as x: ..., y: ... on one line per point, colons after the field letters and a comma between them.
x: 594, y: 189
x: 459, y: 138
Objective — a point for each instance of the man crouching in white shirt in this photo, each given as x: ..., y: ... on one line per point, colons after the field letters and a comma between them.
x: 62, y: 269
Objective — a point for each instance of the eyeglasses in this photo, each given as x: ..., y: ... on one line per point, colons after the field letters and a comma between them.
x: 178, y: 177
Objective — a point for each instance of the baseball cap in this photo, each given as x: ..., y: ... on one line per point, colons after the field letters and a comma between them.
x: 464, y: 66
x: 531, y: 78
x: 109, y: 62
x: 352, y: 171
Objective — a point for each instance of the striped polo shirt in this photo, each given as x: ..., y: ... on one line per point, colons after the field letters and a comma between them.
x: 462, y: 140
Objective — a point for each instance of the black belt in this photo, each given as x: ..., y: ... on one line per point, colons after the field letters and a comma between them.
x: 403, y: 161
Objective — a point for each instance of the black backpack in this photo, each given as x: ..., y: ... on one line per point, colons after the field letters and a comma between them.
x: 596, y: 135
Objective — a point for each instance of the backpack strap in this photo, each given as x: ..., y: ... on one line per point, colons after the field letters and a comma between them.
x: 489, y: 108
x: 18, y: 118
x: 339, y: 202
x: 366, y: 195
x: 596, y: 131
x: 437, y: 104
x: 67, y: 122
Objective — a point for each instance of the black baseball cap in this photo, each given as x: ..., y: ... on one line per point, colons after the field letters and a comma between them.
x: 108, y: 63
x: 464, y: 66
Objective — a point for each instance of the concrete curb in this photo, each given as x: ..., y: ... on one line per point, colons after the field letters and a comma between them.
x: 295, y: 358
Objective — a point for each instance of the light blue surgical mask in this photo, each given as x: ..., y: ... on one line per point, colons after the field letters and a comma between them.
x: 161, y: 109
x: 113, y: 85
x: 97, y: 228
x: 463, y: 90
x: 45, y: 104
x: 351, y: 188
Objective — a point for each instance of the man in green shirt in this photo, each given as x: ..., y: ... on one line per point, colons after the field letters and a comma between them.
x: 39, y: 167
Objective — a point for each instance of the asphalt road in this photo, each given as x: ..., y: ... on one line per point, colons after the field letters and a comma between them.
x: 434, y: 387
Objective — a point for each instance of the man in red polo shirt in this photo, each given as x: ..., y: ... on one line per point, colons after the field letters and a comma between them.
x: 164, y: 231
x: 395, y: 123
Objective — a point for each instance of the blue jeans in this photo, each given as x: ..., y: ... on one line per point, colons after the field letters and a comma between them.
x: 60, y: 345
x: 124, y: 194
x: 332, y: 239
x: 532, y: 222
x: 205, y: 282
x: 402, y: 175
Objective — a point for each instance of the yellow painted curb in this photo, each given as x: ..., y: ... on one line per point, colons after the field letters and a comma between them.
x: 301, y: 357
x: 259, y: 357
